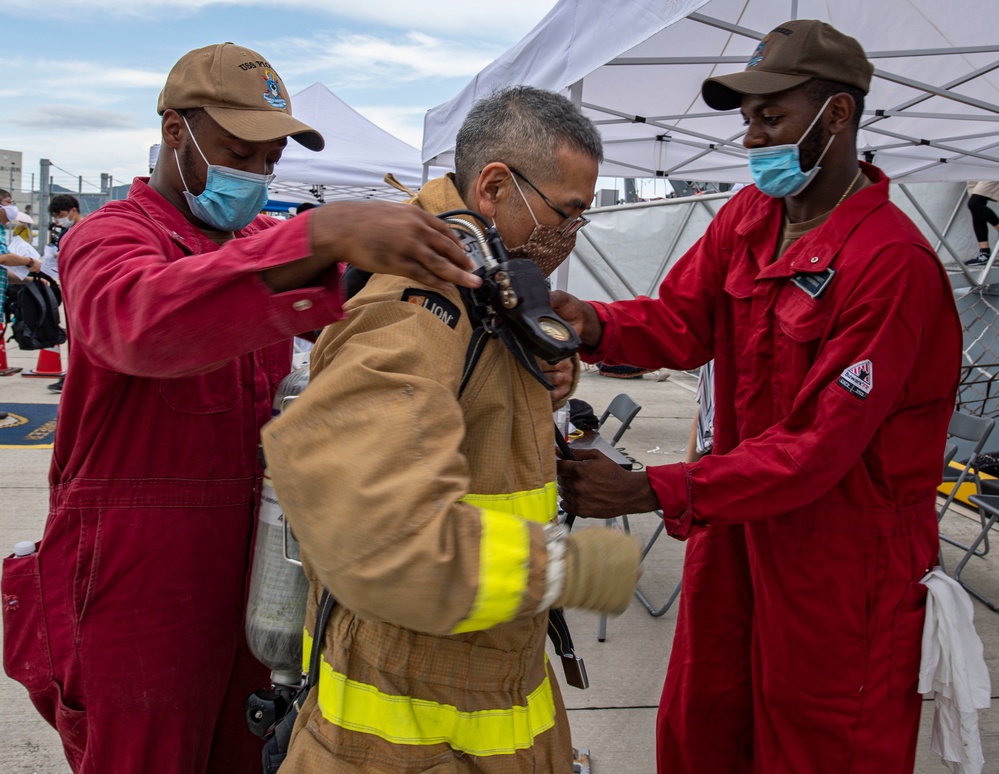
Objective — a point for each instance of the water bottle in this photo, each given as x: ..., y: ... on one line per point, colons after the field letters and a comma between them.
x: 561, y: 417
x: 24, y: 548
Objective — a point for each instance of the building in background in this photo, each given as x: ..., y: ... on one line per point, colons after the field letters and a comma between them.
x: 10, y: 170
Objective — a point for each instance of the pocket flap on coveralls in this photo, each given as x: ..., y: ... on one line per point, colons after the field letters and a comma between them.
x: 25, y: 637
x: 801, y: 318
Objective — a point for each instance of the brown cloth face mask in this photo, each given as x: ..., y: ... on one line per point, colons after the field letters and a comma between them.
x: 547, y: 247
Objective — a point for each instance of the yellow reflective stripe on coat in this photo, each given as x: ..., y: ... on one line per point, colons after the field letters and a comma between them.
x: 404, y: 720
x: 505, y: 553
x: 537, y: 505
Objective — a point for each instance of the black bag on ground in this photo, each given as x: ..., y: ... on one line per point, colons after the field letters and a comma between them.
x: 35, y: 311
x: 988, y: 462
x: 582, y: 416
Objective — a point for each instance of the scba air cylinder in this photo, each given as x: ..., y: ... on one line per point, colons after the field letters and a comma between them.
x: 275, y: 609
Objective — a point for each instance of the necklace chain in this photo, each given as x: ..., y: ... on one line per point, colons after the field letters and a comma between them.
x: 849, y: 188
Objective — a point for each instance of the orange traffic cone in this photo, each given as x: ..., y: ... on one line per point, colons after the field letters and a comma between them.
x: 49, y: 365
x: 5, y: 370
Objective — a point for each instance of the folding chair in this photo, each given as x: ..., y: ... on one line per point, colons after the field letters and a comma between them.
x: 622, y: 408
x: 988, y: 509
x: 654, y: 611
x: 976, y: 430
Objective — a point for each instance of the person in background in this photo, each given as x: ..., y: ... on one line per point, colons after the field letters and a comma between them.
x: 798, y: 640
x: 426, y: 506
x: 64, y: 210
x: 982, y: 216
x: 182, y: 302
x: 22, y: 227
x: 9, y: 215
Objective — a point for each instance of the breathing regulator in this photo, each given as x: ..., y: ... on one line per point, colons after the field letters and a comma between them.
x: 514, y: 292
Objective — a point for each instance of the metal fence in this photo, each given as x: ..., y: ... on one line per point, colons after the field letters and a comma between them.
x: 51, y: 180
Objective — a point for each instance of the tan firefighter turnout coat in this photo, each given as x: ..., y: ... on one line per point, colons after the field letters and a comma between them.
x: 423, y: 513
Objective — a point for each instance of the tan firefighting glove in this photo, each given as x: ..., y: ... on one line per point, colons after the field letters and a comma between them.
x: 602, y: 567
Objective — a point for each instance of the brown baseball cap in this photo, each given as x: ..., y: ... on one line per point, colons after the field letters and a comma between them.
x: 790, y: 54
x: 240, y: 90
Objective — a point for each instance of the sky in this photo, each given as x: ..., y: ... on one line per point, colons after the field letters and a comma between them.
x: 83, y: 77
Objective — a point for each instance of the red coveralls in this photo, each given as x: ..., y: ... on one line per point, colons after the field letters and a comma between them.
x: 798, y: 641
x: 128, y: 632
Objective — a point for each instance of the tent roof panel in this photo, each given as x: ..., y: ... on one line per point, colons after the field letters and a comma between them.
x: 358, y: 153
x: 947, y: 95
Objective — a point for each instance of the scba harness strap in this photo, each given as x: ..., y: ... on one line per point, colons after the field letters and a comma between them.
x: 483, y: 330
x: 484, y: 326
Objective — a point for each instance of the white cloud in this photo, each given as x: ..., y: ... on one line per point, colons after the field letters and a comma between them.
x: 122, y: 153
x: 81, y: 81
x: 450, y: 15
x: 69, y: 118
x: 108, y: 59
x: 363, y: 59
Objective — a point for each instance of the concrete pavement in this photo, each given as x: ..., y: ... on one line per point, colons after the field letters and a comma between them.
x: 615, y: 718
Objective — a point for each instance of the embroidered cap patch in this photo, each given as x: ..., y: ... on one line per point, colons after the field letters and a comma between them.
x: 858, y: 379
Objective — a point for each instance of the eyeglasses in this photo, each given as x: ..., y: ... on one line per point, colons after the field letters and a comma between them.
x: 569, y: 225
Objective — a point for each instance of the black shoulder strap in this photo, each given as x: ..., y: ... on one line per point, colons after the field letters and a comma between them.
x: 482, y: 328
x: 326, y: 604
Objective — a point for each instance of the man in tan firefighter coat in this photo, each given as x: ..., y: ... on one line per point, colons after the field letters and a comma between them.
x: 426, y: 510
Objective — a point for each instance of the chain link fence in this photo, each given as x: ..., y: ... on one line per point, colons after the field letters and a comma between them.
x: 52, y: 180
x: 978, y: 393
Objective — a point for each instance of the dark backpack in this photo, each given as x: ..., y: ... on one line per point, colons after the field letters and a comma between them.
x: 35, y: 311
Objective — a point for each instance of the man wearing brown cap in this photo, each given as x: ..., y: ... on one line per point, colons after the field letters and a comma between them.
x: 836, y: 345
x: 182, y: 301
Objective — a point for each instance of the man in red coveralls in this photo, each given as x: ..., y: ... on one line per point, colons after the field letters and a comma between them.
x: 836, y: 345
x: 127, y: 626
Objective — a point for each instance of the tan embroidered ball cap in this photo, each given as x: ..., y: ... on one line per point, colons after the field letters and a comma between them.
x: 792, y: 53
x: 241, y: 92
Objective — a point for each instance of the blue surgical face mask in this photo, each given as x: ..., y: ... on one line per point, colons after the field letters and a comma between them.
x: 776, y: 170
x: 231, y: 199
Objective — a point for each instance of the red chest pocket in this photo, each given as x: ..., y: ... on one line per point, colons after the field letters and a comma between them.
x: 802, y: 323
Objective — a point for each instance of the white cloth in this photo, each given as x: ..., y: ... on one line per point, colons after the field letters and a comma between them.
x: 953, y: 667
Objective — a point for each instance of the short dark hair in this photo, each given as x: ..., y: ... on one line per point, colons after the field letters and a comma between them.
x: 195, y: 116
x: 818, y: 91
x: 523, y: 127
x: 4, y: 193
x: 63, y: 203
x: 305, y: 207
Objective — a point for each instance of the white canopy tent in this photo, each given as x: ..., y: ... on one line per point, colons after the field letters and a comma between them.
x: 636, y: 67
x: 354, y: 162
